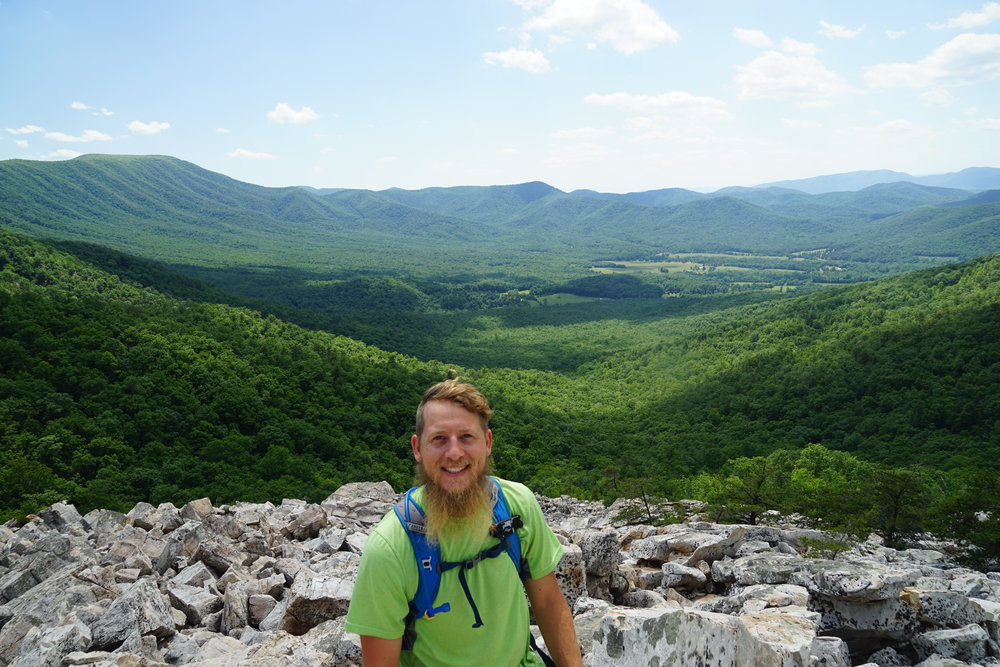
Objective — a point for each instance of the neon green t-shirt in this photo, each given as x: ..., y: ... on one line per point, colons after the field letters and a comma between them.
x: 387, y: 581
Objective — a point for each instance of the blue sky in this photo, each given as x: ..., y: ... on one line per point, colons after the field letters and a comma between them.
x: 612, y: 95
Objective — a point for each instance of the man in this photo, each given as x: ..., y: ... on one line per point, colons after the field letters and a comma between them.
x: 481, y: 617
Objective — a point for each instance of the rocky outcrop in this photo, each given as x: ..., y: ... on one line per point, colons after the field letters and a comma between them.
x: 264, y: 584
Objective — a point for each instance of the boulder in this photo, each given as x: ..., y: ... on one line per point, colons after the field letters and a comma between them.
x: 263, y: 584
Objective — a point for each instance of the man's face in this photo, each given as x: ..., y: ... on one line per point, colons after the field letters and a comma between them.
x: 454, y: 447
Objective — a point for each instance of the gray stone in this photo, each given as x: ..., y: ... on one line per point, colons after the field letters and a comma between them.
x: 196, y: 602
x: 140, y: 608
x: 314, y: 599
x: 47, y: 646
x: 60, y: 515
x: 943, y: 609
x: 197, y: 574
x: 968, y: 643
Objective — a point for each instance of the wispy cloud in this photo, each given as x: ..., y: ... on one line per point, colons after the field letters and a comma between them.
x: 80, y: 106
x: 799, y: 124
x: 756, y: 38
x: 628, y: 26
x: 984, y: 124
x: 26, y: 129
x: 60, y: 154
x: 87, y: 137
x: 676, y: 101
x: 898, y: 126
x: 834, y: 31
x: 966, y: 20
x: 284, y: 113
x: 790, y: 70
x: 244, y: 154
x: 968, y: 58
x: 154, y: 127
x: 938, y: 98
x: 581, y: 133
x: 533, y: 60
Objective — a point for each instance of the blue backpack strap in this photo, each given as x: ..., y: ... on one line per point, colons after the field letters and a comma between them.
x: 501, y: 514
x: 428, y: 558
x: 429, y: 563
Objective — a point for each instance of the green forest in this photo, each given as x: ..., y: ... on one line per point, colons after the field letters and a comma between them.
x: 167, y: 372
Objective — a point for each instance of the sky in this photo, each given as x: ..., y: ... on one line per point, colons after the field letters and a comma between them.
x: 608, y: 95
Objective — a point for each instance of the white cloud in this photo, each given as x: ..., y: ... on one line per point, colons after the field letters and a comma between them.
x: 509, y: 151
x: 968, y: 58
x: 673, y: 101
x: 80, y: 106
x: 581, y: 133
x: 755, y: 38
x: 244, y: 154
x: 283, y: 113
x: 578, y: 153
x: 628, y: 26
x: 938, y: 97
x: 988, y: 14
x: 533, y: 61
x: 23, y: 143
x: 834, y: 31
x: 794, y: 74
x: 985, y: 124
x: 154, y: 127
x: 797, y: 48
x: 898, y: 126
x: 86, y: 137
x: 61, y: 154
x: 799, y: 124
x: 222, y: 130
x: 894, y: 34
x: 26, y: 129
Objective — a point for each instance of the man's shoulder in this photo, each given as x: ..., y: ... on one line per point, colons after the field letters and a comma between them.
x: 518, y: 495
x: 388, y: 534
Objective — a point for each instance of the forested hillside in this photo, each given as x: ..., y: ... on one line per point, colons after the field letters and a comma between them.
x: 113, y: 393
x: 755, y: 381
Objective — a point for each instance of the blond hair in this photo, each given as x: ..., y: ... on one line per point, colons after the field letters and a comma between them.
x: 463, y: 394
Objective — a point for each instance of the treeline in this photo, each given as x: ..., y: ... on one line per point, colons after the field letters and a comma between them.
x: 111, y: 393
x: 835, y: 491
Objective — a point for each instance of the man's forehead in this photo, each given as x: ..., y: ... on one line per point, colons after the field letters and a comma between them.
x: 443, y: 414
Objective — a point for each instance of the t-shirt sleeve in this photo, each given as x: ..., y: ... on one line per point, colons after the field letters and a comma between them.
x: 379, y: 602
x: 541, y: 547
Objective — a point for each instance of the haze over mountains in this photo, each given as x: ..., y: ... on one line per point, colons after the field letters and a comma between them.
x: 174, y: 211
x: 971, y: 178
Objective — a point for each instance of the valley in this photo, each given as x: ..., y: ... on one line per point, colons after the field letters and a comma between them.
x: 169, y: 333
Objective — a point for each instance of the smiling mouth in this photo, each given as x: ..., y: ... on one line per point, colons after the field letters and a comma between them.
x: 455, y: 471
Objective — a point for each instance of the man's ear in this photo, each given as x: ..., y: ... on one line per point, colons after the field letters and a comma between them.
x: 415, y: 444
x: 489, y: 441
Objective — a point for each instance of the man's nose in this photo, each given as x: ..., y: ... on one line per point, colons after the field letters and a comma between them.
x: 454, y: 449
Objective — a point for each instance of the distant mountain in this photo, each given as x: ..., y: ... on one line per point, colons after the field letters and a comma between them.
x: 928, y: 232
x: 173, y: 211
x: 169, y: 209
x: 986, y: 197
x: 663, y: 197
x: 480, y: 203
x: 973, y: 178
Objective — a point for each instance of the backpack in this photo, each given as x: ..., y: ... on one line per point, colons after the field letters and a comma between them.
x: 431, y: 567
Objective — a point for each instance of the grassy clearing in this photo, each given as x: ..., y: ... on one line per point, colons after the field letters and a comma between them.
x: 562, y: 299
